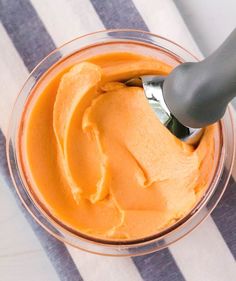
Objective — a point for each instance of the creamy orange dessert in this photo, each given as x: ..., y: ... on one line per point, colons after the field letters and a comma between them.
x: 98, y: 159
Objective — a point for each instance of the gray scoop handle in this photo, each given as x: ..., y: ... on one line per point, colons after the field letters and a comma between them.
x: 197, y: 94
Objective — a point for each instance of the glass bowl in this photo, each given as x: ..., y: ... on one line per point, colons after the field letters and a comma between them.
x: 80, y: 49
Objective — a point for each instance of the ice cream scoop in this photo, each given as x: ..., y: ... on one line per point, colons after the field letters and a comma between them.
x: 194, y: 94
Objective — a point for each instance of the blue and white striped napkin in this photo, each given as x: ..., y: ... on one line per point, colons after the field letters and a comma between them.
x: 29, y: 30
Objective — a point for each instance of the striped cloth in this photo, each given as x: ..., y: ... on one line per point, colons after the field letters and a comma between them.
x: 29, y: 30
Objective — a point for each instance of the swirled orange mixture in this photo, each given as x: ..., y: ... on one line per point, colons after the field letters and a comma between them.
x: 100, y: 161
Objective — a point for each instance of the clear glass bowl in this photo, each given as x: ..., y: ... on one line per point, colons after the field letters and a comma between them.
x: 80, y: 49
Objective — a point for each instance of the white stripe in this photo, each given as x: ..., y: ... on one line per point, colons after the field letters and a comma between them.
x: 80, y: 18
x: 66, y: 20
x: 163, y: 18
x: 13, y: 75
x: 93, y: 267
x: 203, y: 255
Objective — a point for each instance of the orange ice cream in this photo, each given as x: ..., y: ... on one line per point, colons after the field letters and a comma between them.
x: 98, y: 159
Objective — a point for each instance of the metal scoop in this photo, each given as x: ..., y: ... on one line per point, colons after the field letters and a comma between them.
x: 153, y: 89
x: 194, y: 94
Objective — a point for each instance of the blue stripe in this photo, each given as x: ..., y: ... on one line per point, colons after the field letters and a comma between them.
x: 26, y: 31
x: 158, y: 266
x: 119, y: 14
